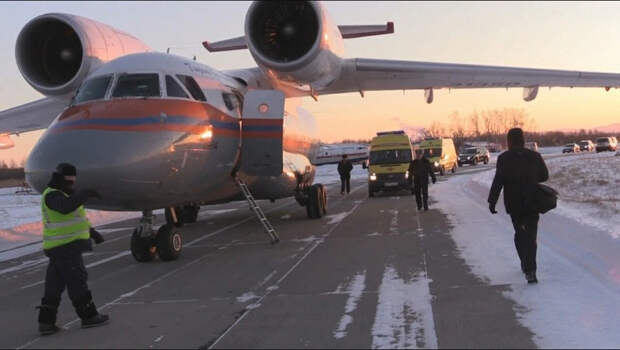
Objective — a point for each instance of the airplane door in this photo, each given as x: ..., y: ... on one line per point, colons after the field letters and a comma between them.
x: 261, y: 133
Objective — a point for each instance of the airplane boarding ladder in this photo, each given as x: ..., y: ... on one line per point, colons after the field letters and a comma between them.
x: 259, y: 212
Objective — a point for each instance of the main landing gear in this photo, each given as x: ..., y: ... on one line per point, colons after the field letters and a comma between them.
x: 167, y: 242
x: 314, y: 198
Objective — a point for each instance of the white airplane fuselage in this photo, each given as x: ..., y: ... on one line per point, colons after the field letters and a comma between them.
x: 143, y: 153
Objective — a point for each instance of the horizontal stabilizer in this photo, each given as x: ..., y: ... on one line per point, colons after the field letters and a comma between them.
x: 237, y: 43
x: 350, y: 32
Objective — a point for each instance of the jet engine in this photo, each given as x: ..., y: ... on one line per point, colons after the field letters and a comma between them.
x: 56, y: 52
x: 294, y: 41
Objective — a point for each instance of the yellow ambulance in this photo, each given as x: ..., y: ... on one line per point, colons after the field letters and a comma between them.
x: 441, y: 153
x: 388, y: 162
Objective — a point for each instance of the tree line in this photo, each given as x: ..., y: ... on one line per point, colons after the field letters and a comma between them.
x: 492, y: 125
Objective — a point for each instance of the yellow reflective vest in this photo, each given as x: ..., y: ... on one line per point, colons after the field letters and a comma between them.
x: 60, y: 229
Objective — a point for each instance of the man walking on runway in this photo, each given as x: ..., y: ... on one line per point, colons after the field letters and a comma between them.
x: 344, y: 170
x: 420, y: 169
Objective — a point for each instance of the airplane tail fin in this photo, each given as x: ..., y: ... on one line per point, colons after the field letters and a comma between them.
x: 347, y: 32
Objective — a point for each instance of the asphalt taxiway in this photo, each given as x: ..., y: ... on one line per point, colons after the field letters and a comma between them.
x: 374, y: 272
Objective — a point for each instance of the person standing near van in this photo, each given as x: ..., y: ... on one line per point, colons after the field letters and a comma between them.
x: 344, y: 170
x: 518, y: 172
x: 420, y: 169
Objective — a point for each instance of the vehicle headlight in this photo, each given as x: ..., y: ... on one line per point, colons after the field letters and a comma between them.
x: 407, y: 174
x: 436, y: 163
x: 468, y: 158
x: 373, y: 177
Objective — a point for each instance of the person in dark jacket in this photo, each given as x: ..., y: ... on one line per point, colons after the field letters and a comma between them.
x: 518, y: 172
x: 344, y: 170
x: 66, y: 235
x: 419, y: 170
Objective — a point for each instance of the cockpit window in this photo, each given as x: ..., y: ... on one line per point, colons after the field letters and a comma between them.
x: 92, y: 89
x: 137, y: 85
x: 192, y: 86
x: 174, y: 89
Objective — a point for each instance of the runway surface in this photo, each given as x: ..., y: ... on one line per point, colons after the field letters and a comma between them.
x: 374, y: 272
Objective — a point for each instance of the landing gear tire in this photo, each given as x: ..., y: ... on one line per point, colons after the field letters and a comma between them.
x: 169, y: 242
x: 142, y: 248
x: 315, y: 208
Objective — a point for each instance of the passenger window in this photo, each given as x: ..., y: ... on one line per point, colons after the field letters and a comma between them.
x: 192, y: 87
x: 93, y: 89
x: 137, y: 85
x: 174, y: 89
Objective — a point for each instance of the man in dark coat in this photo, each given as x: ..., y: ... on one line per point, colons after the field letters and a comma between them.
x: 518, y: 172
x: 419, y: 170
x: 344, y: 170
x: 66, y: 268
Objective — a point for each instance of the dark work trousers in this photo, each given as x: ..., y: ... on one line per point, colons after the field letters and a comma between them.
x: 345, y: 181
x: 421, y: 194
x: 66, y: 270
x: 526, y: 228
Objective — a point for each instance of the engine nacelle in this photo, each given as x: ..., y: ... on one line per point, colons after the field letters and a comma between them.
x: 55, y: 52
x: 294, y: 41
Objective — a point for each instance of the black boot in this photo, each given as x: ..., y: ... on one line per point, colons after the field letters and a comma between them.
x: 87, y: 311
x: 47, y: 316
x: 531, y: 277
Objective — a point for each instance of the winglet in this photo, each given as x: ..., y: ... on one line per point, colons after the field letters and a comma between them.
x: 237, y: 43
x: 355, y: 31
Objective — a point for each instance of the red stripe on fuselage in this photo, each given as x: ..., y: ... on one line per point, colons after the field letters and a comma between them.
x: 137, y: 108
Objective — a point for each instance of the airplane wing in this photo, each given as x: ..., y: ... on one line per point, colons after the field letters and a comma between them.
x: 363, y: 74
x: 31, y: 116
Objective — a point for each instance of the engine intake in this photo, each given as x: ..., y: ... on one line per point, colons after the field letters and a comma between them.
x: 56, y: 52
x: 294, y: 41
x: 283, y: 31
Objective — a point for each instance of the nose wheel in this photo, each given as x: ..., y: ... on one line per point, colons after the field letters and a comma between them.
x: 167, y: 242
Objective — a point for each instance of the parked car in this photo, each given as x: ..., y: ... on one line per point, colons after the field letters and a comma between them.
x: 473, y: 156
x: 606, y: 143
x: 586, y: 145
x: 532, y: 145
x: 571, y: 148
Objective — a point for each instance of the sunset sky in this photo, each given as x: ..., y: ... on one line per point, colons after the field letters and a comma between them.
x: 561, y: 35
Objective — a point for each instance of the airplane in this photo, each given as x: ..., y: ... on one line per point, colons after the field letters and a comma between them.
x: 152, y: 130
x: 332, y: 153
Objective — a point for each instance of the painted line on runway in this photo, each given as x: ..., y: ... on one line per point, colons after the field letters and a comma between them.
x: 187, y: 265
x: 257, y: 304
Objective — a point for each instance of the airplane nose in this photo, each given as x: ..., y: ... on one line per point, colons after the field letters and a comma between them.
x: 103, y: 160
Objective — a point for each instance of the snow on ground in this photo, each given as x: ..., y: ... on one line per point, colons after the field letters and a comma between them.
x: 404, y: 317
x: 589, y: 187
x: 573, y: 306
x: 20, y: 218
x: 328, y: 174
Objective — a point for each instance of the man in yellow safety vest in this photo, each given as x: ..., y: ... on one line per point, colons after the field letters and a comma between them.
x: 66, y: 235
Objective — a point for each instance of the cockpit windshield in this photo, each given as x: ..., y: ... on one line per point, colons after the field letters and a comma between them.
x: 137, y: 85
x: 92, y: 89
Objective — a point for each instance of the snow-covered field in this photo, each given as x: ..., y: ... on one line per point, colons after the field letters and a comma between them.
x: 20, y: 220
x: 576, y: 304
x: 589, y: 187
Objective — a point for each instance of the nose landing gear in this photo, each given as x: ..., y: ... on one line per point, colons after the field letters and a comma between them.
x: 167, y: 242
